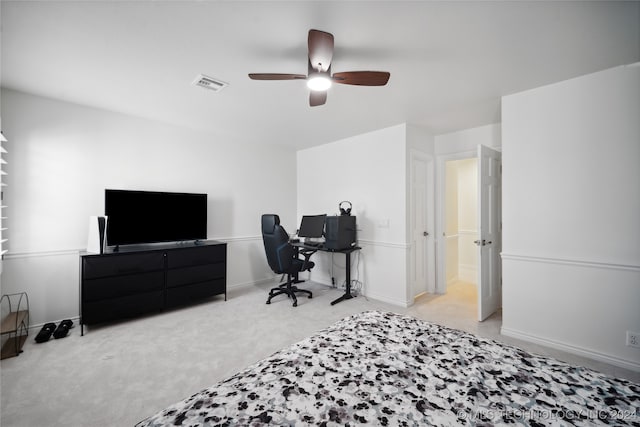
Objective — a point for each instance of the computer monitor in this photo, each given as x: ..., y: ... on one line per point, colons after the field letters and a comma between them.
x: 312, y: 226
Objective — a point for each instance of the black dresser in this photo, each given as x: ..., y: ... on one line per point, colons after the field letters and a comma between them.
x: 140, y: 279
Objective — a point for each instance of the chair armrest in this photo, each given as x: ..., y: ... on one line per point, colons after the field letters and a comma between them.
x: 306, y: 253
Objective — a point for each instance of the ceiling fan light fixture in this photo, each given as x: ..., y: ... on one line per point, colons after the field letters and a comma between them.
x: 319, y: 82
x: 319, y: 75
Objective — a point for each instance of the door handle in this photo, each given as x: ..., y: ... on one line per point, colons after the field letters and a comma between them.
x: 425, y: 234
x: 479, y: 242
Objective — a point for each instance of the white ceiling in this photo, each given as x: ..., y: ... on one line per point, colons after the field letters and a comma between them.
x: 450, y: 62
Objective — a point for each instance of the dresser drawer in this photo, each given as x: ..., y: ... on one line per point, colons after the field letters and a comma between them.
x: 189, y: 294
x: 197, y: 273
x: 197, y: 256
x: 115, y: 265
x: 112, y: 287
x: 118, y: 308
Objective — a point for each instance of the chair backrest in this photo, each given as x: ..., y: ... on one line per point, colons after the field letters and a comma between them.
x: 279, y: 252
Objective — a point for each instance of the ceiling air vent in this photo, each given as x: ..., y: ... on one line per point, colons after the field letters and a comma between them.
x: 209, y: 83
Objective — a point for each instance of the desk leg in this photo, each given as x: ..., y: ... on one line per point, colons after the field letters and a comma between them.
x: 296, y: 277
x: 347, y: 293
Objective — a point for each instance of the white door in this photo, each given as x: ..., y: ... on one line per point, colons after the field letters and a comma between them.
x: 422, y: 251
x: 490, y: 231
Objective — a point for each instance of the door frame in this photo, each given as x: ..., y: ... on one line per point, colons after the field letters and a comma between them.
x: 430, y: 250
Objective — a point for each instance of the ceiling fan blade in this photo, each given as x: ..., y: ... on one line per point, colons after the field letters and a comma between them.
x: 362, y: 78
x: 276, y: 76
x: 320, y: 50
x: 317, y: 98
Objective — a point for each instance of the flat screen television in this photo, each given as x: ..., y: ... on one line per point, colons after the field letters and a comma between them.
x: 135, y: 217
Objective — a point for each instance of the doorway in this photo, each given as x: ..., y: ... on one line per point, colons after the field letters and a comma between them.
x: 454, y: 235
x: 461, y: 230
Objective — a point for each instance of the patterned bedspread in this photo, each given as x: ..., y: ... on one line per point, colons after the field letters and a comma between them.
x: 390, y: 370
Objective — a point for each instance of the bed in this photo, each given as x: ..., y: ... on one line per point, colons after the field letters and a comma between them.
x: 381, y: 368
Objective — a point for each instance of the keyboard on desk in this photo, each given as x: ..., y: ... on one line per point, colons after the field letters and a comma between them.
x: 314, y: 244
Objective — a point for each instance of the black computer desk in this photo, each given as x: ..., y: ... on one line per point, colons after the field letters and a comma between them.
x: 347, y: 253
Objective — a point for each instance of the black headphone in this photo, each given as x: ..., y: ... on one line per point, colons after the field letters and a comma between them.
x: 345, y: 211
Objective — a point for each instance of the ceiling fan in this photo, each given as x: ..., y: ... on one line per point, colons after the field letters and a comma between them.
x: 319, y: 77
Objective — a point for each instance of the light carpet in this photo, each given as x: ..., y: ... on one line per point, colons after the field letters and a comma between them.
x: 120, y: 373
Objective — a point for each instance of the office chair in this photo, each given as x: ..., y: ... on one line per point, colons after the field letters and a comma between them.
x: 283, y: 257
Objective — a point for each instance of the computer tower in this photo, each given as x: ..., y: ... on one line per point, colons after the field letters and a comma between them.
x: 340, y: 232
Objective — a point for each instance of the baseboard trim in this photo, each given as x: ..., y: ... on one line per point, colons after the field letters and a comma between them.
x: 580, y: 351
x: 34, y: 329
x: 76, y: 319
x: 252, y: 283
x: 364, y: 294
x: 391, y: 301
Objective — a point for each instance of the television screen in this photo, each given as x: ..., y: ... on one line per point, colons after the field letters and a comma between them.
x: 150, y: 216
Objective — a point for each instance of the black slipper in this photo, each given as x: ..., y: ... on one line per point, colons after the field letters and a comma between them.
x: 45, y: 332
x: 63, y: 329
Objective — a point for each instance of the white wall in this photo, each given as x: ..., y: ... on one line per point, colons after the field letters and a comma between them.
x: 370, y: 170
x: 467, y: 140
x: 61, y: 158
x: 571, y: 203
